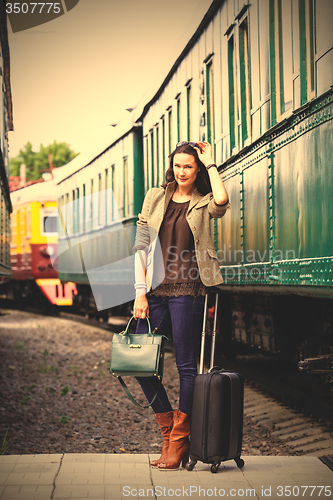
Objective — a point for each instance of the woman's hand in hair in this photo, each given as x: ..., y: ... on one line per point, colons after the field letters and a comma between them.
x: 204, y: 151
x: 141, y: 308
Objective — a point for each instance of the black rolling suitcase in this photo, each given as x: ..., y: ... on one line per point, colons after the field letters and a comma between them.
x: 217, y: 411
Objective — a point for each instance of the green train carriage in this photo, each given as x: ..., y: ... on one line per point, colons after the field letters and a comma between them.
x: 6, y: 125
x: 99, y: 197
x: 255, y: 80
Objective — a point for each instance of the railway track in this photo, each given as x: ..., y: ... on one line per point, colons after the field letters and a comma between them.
x: 305, y: 435
x: 267, y: 403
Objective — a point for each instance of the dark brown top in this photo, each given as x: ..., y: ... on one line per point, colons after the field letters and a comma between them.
x: 181, y: 269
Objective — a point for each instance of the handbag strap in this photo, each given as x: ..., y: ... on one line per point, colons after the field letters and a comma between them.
x: 130, y: 321
x: 126, y: 389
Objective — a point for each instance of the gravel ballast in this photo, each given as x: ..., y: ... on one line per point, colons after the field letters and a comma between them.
x: 57, y: 395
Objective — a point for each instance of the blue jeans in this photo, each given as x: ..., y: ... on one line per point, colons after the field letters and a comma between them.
x: 183, y: 315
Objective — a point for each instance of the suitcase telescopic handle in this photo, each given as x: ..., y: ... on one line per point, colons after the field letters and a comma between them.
x: 212, y: 352
x: 203, y: 335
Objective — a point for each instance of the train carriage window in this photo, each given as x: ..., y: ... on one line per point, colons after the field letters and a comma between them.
x: 210, y: 105
x: 62, y: 221
x: 178, y: 119
x: 233, y: 108
x: 307, y: 50
x: 244, y: 72
x: 73, y: 212
x: 13, y: 229
x: 163, y: 144
x: 99, y: 220
x: 28, y: 224
x: 84, y: 207
x: 126, y: 208
x: 77, y: 210
x: 67, y: 215
x: 91, y: 204
x: 112, y: 207
x: 157, y: 156
x: 281, y: 58
x: 106, y: 205
x: 22, y: 223
x: 49, y: 222
x: 285, y: 44
x: 189, y: 104
x: 147, y: 165
x: 152, y: 165
x: 170, y: 129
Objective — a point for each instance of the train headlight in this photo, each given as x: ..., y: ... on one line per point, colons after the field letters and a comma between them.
x: 47, y: 251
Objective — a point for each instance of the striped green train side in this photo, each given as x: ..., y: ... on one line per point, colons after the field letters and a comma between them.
x: 281, y: 189
x: 255, y: 80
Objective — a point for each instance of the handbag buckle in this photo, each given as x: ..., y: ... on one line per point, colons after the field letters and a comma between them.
x: 138, y: 346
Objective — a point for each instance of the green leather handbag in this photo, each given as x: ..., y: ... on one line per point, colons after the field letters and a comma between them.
x: 138, y: 355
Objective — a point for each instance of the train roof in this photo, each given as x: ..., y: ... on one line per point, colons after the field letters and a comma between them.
x: 42, y: 191
x: 156, y: 90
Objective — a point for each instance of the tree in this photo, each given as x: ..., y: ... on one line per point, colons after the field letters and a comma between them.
x: 38, y: 163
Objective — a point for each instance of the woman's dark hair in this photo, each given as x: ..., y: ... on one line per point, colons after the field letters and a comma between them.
x: 202, y: 182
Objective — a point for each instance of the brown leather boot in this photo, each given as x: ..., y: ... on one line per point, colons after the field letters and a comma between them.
x: 165, y: 421
x: 178, y: 443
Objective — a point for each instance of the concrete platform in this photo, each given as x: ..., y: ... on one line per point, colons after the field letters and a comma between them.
x: 111, y: 476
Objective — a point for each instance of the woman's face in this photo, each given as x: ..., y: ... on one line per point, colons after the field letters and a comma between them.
x: 185, y: 169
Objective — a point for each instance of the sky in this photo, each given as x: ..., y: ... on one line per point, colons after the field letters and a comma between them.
x: 73, y: 77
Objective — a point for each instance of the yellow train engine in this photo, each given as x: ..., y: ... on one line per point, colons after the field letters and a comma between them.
x: 34, y: 246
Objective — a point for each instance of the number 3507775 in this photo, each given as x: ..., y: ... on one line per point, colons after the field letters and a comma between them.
x: 33, y: 8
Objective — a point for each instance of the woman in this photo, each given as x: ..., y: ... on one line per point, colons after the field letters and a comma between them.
x: 179, y: 213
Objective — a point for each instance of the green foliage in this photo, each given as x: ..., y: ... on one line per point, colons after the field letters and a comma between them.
x: 44, y: 368
x: 31, y: 388
x: 38, y: 162
x: 64, y: 419
x: 20, y: 346
x: 45, y: 354
x: 65, y: 391
x: 25, y: 400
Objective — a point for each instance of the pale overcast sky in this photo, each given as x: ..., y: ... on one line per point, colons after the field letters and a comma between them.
x: 74, y: 76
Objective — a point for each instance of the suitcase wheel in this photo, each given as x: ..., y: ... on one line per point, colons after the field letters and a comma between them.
x: 240, y: 462
x: 214, y: 468
x: 189, y: 466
